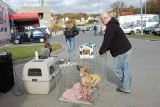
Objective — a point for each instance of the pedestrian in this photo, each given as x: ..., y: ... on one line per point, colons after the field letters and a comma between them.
x: 83, y: 30
x: 30, y: 35
x: 120, y: 48
x: 70, y: 32
x: 95, y: 30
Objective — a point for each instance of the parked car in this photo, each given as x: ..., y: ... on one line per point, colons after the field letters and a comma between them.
x: 128, y: 30
x: 157, y: 31
x: 81, y: 28
x: 151, y: 29
x: 38, y: 35
x: 138, y: 28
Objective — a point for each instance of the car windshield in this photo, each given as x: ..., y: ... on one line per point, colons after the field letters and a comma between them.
x: 36, y: 32
x: 123, y: 27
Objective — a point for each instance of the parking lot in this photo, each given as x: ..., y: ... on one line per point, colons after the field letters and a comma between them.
x: 145, y: 74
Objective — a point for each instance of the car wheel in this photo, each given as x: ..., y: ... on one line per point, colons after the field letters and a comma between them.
x: 158, y: 33
x: 41, y: 40
x: 132, y: 32
x: 16, y: 41
x: 138, y: 31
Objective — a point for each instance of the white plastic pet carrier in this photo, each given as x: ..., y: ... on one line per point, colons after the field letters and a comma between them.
x: 40, y: 76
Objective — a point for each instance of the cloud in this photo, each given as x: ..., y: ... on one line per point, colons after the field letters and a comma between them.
x: 66, y: 6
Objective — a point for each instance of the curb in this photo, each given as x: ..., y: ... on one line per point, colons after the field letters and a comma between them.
x: 59, y: 50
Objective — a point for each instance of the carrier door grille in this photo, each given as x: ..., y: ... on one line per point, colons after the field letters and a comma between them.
x: 34, y: 72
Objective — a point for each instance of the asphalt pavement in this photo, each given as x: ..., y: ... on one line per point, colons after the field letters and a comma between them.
x: 145, y: 72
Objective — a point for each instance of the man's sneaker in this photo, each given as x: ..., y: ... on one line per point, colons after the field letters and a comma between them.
x: 121, y: 90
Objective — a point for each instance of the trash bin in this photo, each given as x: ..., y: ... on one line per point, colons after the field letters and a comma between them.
x: 40, y: 76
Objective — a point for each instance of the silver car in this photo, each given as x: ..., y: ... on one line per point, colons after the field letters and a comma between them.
x: 128, y: 30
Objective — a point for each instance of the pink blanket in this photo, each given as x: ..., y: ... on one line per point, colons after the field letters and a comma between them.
x: 74, y: 93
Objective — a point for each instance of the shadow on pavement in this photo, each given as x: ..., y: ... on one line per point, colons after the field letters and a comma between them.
x: 111, y: 77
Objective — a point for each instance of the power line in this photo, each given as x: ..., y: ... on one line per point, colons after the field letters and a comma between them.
x: 10, y: 5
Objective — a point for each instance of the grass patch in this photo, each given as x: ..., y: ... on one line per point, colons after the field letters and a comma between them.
x: 145, y: 36
x: 24, y: 52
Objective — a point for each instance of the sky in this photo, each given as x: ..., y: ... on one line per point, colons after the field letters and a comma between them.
x: 72, y: 6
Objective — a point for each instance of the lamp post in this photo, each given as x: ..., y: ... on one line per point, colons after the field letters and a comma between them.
x: 141, y: 18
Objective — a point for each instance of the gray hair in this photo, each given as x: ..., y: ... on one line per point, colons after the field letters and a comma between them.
x: 110, y: 13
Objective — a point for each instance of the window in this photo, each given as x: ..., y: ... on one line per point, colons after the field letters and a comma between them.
x: 36, y: 32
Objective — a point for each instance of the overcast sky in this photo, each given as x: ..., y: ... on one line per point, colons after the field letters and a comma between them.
x: 70, y: 6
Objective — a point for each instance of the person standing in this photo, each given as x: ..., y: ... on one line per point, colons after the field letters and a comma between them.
x: 95, y: 30
x: 83, y: 30
x: 70, y: 32
x: 120, y: 48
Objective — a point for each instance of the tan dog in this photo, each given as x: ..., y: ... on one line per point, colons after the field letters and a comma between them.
x: 88, y: 81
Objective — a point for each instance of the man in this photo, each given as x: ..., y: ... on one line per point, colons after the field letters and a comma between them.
x: 120, y: 48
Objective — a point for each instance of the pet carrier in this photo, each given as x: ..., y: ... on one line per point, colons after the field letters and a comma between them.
x: 40, y: 76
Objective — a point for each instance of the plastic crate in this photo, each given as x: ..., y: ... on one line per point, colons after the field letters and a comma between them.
x: 40, y: 76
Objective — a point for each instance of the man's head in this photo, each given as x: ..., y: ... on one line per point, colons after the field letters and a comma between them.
x: 105, y: 17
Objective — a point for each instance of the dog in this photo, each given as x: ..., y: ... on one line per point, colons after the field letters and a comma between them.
x: 88, y: 81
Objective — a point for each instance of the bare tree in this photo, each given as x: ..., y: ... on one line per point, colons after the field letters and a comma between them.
x: 117, y: 7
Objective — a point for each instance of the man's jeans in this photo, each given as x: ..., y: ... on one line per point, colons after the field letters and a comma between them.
x: 122, y: 70
x: 71, y: 45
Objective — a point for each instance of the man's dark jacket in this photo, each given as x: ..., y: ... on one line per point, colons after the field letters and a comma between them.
x: 114, y: 39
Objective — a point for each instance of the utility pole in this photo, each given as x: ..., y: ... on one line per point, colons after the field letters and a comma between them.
x: 141, y: 18
x: 41, y: 2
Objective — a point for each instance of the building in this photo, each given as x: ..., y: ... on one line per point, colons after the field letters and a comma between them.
x: 4, y: 23
x: 44, y: 13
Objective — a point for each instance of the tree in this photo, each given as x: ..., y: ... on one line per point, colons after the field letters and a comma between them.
x: 152, y: 7
x: 73, y: 22
x: 121, y: 7
x: 131, y: 9
x: 54, y: 26
x: 92, y: 21
x: 117, y: 7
